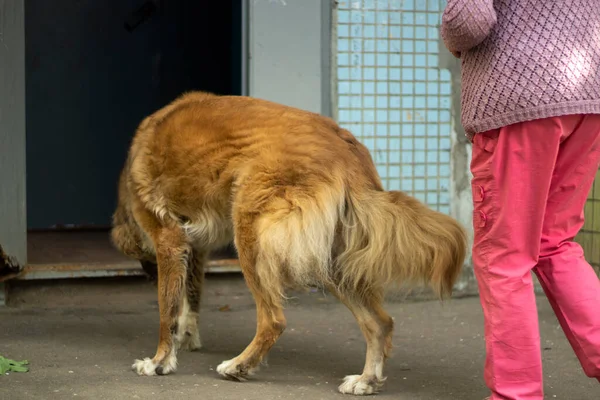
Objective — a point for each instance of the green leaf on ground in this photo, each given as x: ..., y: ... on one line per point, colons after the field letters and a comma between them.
x: 8, y: 365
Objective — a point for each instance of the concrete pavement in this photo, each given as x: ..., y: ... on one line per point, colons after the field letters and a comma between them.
x: 81, y: 338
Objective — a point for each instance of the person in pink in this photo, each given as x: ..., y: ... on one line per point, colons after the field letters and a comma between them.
x: 531, y: 107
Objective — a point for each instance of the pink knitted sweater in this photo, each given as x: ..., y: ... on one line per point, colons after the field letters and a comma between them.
x: 524, y: 59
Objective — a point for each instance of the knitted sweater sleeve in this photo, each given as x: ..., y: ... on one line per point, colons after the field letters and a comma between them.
x: 466, y: 23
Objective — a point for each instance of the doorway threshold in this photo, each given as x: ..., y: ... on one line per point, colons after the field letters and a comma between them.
x: 89, y: 254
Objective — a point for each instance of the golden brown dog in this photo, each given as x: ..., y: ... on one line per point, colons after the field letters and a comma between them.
x: 302, y: 201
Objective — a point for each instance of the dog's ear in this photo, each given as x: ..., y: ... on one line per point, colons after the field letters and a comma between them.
x: 125, y: 240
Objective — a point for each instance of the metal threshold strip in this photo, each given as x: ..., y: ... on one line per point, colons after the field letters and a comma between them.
x: 102, y: 270
x: 127, y: 268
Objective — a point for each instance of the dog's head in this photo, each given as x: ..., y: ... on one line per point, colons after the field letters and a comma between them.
x: 126, y: 234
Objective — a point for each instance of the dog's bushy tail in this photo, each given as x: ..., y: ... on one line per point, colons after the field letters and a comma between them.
x: 391, y: 238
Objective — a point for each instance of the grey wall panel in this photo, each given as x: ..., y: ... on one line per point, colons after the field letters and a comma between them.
x: 13, y: 228
x: 287, y: 62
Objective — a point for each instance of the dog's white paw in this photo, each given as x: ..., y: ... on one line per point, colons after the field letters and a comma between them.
x: 190, y: 341
x: 147, y: 366
x: 188, y: 335
x: 230, y: 369
x: 144, y: 367
x: 359, y: 385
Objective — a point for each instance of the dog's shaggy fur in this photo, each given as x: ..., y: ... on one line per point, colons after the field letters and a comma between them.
x: 302, y: 201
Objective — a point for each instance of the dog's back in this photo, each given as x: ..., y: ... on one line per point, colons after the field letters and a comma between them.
x: 202, y: 147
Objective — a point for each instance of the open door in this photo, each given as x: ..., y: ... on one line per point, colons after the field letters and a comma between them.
x: 13, y: 226
x: 93, y: 71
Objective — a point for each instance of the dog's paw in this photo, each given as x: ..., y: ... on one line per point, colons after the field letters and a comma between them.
x: 190, y: 341
x: 235, y: 371
x: 147, y: 366
x: 188, y: 335
x: 359, y: 385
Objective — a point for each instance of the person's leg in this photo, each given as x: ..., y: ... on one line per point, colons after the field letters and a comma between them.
x: 570, y: 283
x: 512, y: 171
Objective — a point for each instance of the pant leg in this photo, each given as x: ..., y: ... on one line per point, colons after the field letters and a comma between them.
x: 570, y: 283
x: 512, y: 172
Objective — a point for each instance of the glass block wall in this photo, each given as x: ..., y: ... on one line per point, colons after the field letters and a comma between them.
x: 392, y: 95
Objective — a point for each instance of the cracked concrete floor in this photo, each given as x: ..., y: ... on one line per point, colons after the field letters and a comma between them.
x: 81, y: 338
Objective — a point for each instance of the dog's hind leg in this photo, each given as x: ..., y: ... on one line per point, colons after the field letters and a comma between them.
x: 270, y: 325
x: 265, y: 285
x: 172, y: 252
x: 188, y: 335
x: 377, y: 327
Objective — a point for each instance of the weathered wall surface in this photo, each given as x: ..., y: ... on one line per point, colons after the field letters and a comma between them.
x: 13, y: 229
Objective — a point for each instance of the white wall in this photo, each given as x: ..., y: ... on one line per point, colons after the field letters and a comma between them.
x: 288, y: 45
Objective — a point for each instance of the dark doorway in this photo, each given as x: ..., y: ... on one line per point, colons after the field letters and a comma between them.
x: 95, y: 69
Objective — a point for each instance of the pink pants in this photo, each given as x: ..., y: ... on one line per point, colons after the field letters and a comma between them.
x: 530, y: 184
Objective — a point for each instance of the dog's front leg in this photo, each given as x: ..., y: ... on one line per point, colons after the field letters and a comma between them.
x: 172, y: 253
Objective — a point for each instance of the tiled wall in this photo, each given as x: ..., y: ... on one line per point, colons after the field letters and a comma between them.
x: 392, y: 95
